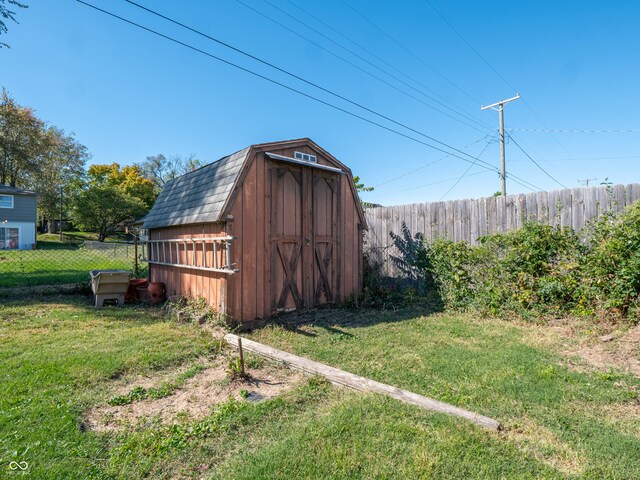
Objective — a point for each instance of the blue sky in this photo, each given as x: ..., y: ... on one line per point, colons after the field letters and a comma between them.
x: 128, y: 94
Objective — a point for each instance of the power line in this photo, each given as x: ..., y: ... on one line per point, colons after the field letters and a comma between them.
x: 589, y: 159
x: 465, y: 173
x: 534, y: 154
x: 280, y: 69
x: 410, y: 52
x: 536, y: 163
x: 425, y: 165
x: 357, y: 55
x: 426, y: 185
x: 287, y: 87
x: 354, y: 65
x: 382, y: 60
x: 289, y: 73
x: 455, y: 30
x: 558, y: 130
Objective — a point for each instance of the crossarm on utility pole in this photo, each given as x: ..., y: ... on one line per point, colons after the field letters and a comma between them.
x: 500, y: 107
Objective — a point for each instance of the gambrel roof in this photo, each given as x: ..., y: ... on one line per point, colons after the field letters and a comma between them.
x: 203, y: 195
x: 198, y: 196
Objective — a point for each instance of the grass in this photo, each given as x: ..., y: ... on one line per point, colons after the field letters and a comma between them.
x: 59, y: 357
x: 58, y: 263
x: 92, y: 236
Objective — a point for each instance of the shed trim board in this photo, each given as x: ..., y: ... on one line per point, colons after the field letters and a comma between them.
x: 282, y: 158
x: 298, y: 226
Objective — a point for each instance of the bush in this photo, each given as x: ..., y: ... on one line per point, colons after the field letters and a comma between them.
x: 531, y: 269
x: 536, y: 270
x: 611, y: 282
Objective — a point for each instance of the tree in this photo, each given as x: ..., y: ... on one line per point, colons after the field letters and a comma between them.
x: 108, y: 196
x: 61, y: 166
x: 361, y: 187
x: 6, y: 14
x: 21, y: 141
x: 102, y: 208
x: 160, y: 169
x: 128, y: 179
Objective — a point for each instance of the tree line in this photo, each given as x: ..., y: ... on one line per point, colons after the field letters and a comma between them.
x: 45, y: 159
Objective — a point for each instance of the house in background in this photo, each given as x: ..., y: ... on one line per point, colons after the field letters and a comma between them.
x: 18, y: 216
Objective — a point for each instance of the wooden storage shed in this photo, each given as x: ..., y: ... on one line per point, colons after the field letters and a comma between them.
x: 273, y: 227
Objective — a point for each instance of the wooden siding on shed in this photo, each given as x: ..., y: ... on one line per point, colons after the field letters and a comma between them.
x: 187, y: 282
x: 247, y: 294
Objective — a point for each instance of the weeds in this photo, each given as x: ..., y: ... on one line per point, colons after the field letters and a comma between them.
x: 195, y: 310
x: 538, y: 270
x: 137, y: 394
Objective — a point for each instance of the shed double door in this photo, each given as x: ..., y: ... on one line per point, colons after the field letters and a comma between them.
x: 304, y: 237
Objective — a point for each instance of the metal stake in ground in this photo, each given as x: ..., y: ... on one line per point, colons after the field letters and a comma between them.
x: 500, y: 107
x: 241, y: 356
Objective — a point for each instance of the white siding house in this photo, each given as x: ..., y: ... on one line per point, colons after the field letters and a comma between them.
x: 18, y: 216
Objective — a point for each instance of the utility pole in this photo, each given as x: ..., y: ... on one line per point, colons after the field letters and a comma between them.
x: 499, y: 106
x: 586, y: 181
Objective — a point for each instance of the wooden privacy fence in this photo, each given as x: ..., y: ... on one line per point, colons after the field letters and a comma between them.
x: 468, y: 220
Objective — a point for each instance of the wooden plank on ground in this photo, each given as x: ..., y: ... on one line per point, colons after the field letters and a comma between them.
x: 340, y: 377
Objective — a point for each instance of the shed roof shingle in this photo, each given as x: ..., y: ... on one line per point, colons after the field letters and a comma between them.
x: 198, y: 196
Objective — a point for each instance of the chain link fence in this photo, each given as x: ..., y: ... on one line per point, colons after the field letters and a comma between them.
x: 67, y: 262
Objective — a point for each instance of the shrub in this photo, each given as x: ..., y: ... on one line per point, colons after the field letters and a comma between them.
x: 413, y: 260
x: 451, y: 267
x: 530, y: 269
x: 544, y: 270
x: 611, y: 280
x: 536, y: 270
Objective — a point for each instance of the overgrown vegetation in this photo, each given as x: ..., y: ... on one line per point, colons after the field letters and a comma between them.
x: 194, y: 310
x: 536, y: 270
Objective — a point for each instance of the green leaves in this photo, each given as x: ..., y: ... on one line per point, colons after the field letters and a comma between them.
x: 545, y: 270
x: 101, y: 208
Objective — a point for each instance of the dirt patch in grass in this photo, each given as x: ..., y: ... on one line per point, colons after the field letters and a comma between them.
x: 621, y: 352
x: 595, y: 346
x: 544, y: 445
x: 194, y: 399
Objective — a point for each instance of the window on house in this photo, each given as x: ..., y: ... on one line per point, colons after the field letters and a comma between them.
x: 6, y: 201
x: 306, y: 157
x: 9, y: 238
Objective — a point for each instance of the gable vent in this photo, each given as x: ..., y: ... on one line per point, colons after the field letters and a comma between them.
x: 306, y: 157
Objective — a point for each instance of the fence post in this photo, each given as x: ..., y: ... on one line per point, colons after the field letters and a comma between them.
x: 135, y: 256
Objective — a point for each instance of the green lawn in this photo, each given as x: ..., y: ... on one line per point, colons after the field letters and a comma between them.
x: 57, y: 263
x: 60, y: 357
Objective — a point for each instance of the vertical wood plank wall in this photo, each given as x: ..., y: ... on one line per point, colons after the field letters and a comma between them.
x: 468, y: 220
x: 249, y: 291
x: 184, y: 281
x: 246, y: 295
